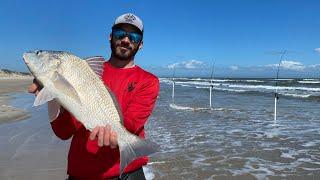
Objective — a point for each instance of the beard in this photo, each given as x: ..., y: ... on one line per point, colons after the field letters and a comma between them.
x: 123, y: 52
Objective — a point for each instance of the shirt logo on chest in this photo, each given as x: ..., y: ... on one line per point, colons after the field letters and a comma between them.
x: 131, y: 86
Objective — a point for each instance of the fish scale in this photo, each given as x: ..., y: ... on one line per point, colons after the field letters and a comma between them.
x: 94, y: 100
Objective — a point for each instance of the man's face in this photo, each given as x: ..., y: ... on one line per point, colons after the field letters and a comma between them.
x: 125, y: 47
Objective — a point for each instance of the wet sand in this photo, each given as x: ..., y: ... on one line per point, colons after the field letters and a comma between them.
x: 28, y: 147
x: 9, y: 113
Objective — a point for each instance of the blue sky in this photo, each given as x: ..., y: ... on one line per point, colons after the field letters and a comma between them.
x: 242, y: 37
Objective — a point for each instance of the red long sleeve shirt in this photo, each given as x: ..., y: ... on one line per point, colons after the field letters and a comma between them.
x: 136, y: 91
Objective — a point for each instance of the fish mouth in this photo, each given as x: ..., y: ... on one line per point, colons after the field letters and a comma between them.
x: 30, y: 59
x: 27, y: 56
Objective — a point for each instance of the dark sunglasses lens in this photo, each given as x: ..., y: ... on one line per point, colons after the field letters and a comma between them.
x: 119, y: 34
x: 135, y: 37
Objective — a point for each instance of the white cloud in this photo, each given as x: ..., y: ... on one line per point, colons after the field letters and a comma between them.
x: 289, y: 65
x: 314, y: 66
x: 234, y: 68
x: 191, y: 64
x: 317, y: 50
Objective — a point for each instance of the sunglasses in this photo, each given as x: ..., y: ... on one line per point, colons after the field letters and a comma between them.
x: 133, y: 36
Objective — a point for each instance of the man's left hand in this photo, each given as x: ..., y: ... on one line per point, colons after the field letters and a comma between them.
x: 106, y: 136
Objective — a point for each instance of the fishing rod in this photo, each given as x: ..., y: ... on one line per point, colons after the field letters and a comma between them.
x: 173, y: 83
x: 211, y: 85
x: 276, y: 95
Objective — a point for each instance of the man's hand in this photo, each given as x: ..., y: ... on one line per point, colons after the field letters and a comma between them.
x: 106, y: 136
x: 35, y: 87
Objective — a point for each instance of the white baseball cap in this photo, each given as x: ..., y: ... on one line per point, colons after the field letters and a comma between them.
x: 129, y: 18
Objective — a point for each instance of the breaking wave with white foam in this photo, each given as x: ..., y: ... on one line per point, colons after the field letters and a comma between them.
x: 306, y: 88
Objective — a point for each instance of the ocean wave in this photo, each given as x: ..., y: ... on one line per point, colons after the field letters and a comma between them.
x: 248, y: 86
x: 165, y: 80
x: 224, y: 80
x: 196, y: 83
x: 309, y: 79
x: 187, y: 108
x: 309, y: 82
x: 230, y: 90
x: 252, y: 80
x: 268, y: 87
x: 198, y: 79
x: 308, y: 96
x: 289, y: 91
x: 282, y: 79
x: 312, y: 93
x: 296, y: 95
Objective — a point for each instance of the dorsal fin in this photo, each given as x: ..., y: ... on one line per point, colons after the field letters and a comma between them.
x: 96, y: 64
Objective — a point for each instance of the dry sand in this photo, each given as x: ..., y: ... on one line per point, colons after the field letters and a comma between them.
x: 11, y: 85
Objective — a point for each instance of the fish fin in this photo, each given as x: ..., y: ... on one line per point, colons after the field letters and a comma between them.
x: 96, y: 64
x: 53, y: 109
x: 137, y: 148
x: 65, y: 87
x: 43, y: 96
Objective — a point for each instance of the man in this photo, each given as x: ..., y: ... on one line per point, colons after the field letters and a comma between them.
x: 95, y: 155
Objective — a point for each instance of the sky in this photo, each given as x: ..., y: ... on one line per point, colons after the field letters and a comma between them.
x: 241, y: 37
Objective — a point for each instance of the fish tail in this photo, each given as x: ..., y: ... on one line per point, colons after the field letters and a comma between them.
x: 130, y: 151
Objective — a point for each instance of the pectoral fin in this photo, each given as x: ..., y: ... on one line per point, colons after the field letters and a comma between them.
x: 43, y: 96
x: 63, y: 85
x: 53, y: 110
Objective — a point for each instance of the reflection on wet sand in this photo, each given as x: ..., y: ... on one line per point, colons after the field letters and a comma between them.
x: 29, y: 149
x: 7, y: 112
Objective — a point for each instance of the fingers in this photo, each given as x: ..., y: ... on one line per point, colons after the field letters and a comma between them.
x: 94, y: 133
x: 35, y: 81
x: 106, y: 141
x: 101, y: 137
x: 106, y: 137
x: 113, y: 140
x: 34, y: 87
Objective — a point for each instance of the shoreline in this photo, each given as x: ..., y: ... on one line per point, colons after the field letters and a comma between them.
x: 9, y: 113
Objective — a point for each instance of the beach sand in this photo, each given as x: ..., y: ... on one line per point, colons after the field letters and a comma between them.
x: 9, y: 85
x: 28, y: 147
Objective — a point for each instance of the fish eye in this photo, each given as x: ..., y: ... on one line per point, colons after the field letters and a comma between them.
x: 38, y: 52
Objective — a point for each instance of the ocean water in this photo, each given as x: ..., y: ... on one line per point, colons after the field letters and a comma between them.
x: 238, y: 138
